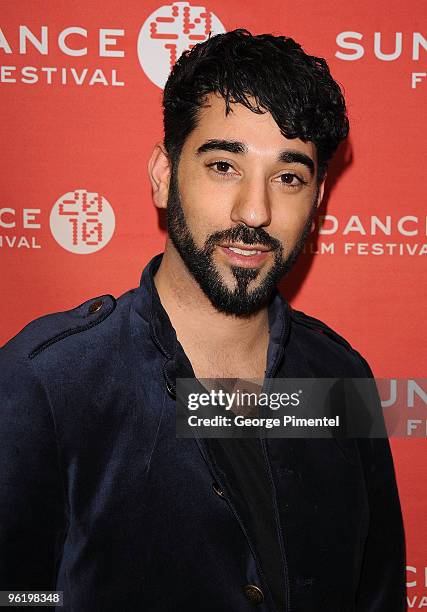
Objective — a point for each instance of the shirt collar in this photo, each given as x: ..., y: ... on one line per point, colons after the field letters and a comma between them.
x: 163, y: 333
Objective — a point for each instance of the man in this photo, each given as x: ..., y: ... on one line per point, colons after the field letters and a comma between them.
x: 99, y: 499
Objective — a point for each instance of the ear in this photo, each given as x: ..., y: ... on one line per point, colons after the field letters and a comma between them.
x: 159, y: 171
x: 321, y: 191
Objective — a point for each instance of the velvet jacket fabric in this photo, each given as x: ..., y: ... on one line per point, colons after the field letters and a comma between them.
x: 99, y: 499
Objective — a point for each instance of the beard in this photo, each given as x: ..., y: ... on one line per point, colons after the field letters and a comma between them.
x: 240, y: 301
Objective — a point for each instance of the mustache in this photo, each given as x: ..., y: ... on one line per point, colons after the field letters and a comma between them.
x: 242, y: 233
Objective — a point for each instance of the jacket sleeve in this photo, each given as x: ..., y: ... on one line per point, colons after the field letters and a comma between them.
x: 382, y: 585
x: 31, y: 493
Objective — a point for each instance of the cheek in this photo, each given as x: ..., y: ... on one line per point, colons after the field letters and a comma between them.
x: 293, y: 216
x: 204, y: 208
x: 200, y: 214
x: 290, y: 221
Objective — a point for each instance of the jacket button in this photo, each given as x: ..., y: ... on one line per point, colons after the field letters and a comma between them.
x: 254, y: 594
x: 95, y: 306
x: 217, y: 489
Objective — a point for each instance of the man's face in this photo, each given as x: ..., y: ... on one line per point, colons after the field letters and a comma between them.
x: 240, y: 205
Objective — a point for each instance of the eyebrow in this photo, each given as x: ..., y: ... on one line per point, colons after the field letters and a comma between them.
x: 288, y: 156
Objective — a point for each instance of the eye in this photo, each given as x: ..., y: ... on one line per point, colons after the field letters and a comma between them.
x: 291, y: 180
x: 221, y: 167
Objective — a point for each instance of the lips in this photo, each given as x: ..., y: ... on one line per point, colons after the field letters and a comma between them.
x: 245, y: 255
x: 245, y: 249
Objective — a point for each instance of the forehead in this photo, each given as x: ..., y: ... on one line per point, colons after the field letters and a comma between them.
x: 259, y: 132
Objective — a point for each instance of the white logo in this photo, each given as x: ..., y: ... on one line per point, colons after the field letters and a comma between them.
x: 169, y: 31
x: 82, y: 221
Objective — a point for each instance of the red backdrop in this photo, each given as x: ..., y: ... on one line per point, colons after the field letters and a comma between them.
x: 81, y: 109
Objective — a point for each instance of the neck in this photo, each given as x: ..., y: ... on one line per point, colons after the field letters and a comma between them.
x: 192, y: 313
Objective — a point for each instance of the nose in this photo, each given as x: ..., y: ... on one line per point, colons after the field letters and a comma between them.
x: 252, y: 204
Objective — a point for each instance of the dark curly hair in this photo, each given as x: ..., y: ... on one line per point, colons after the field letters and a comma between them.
x: 296, y: 88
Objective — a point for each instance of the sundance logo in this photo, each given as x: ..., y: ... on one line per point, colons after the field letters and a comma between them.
x: 169, y: 31
x: 165, y: 34
x: 82, y: 221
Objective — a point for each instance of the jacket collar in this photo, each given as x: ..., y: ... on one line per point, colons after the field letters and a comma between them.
x: 163, y: 333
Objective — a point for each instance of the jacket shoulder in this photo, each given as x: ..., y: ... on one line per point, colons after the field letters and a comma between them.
x: 318, y: 326
x: 43, y: 332
x: 321, y: 334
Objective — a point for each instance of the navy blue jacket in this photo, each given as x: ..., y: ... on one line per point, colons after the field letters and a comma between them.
x: 99, y: 499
